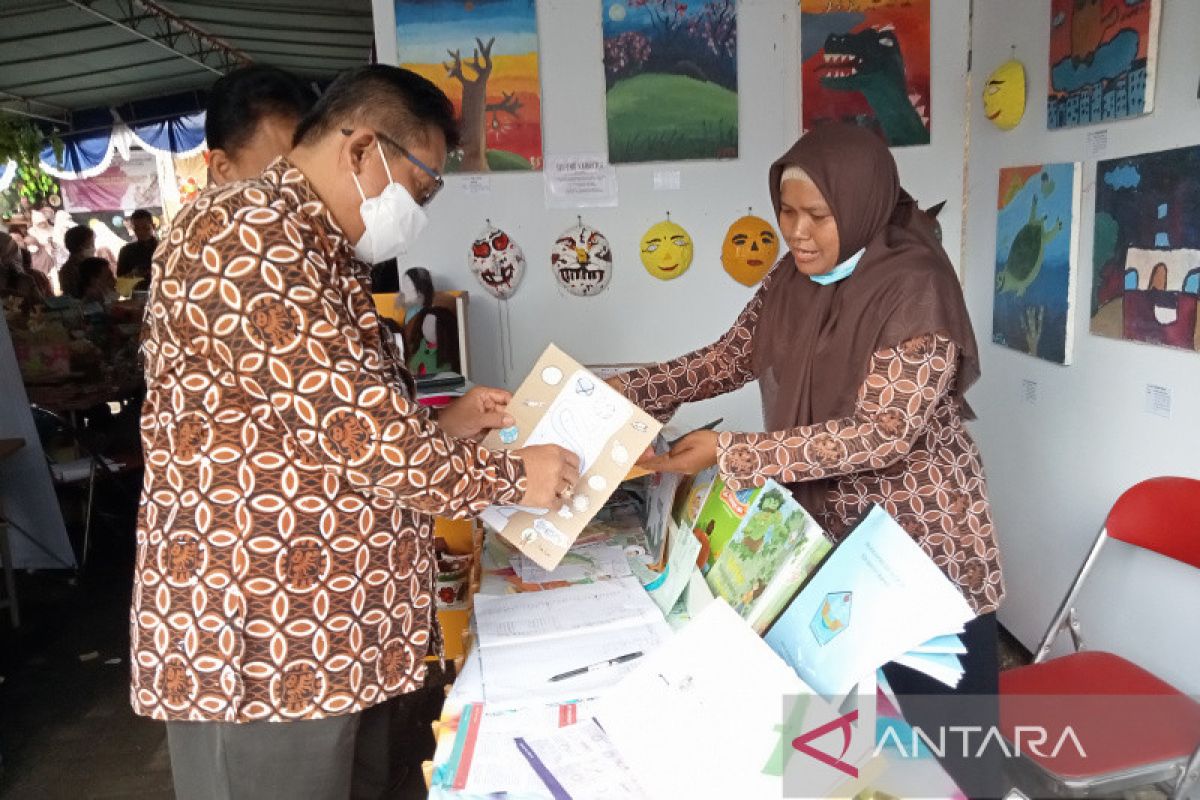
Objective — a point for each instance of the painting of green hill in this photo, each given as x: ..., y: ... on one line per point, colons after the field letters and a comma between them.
x: 661, y: 117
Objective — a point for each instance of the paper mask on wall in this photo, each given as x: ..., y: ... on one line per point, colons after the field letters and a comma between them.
x: 1004, y: 95
x: 750, y: 249
x: 582, y: 261
x: 666, y: 250
x: 497, y: 261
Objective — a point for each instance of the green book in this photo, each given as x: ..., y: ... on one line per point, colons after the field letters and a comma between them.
x: 773, y: 551
x: 721, y: 515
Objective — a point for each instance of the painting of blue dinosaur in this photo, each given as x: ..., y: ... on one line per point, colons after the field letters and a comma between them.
x: 867, y: 62
x: 1036, y: 224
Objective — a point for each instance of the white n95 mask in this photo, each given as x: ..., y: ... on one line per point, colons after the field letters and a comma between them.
x: 392, y: 221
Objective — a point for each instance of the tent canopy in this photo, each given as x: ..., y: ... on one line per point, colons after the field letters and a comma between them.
x: 63, y: 56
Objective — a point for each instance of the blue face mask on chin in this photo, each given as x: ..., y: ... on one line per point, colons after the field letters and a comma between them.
x: 840, y: 272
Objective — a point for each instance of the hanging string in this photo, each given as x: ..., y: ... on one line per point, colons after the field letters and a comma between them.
x: 504, y: 321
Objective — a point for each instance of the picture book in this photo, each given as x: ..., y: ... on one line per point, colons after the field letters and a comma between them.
x: 776, y: 539
x: 721, y: 515
x: 877, y: 596
x: 691, y: 497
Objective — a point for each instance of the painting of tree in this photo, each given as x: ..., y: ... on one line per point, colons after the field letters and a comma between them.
x: 671, y: 78
x: 483, y: 55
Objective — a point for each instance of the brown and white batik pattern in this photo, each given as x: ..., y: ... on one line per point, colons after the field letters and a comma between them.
x: 904, y: 447
x: 284, y: 550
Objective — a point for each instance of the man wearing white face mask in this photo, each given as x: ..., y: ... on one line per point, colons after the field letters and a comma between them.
x: 284, y: 580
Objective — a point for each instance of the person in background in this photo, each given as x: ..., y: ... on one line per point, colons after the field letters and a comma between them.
x: 39, y: 239
x: 96, y: 282
x: 134, y: 258
x: 80, y: 242
x: 284, y: 587
x: 252, y: 114
x: 863, y: 349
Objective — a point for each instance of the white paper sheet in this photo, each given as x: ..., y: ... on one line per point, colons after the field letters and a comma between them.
x: 589, y: 562
x: 526, y: 639
x: 496, y: 764
x: 580, y: 763
x: 702, y: 716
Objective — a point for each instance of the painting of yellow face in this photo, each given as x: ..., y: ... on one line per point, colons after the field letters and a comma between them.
x: 750, y: 249
x: 1004, y: 95
x: 666, y: 250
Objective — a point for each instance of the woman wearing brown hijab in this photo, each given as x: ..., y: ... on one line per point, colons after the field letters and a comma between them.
x: 862, y: 347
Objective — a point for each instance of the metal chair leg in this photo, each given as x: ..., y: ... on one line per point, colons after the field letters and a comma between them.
x: 10, y: 583
x: 87, y: 517
x: 1189, y: 778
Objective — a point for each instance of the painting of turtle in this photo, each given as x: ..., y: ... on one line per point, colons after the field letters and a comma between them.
x: 1036, y: 223
x: 1028, y: 250
x: 867, y: 63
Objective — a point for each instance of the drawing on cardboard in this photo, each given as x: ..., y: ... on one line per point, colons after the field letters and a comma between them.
x: 584, y: 415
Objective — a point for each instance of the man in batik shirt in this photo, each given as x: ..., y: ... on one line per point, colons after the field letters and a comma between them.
x: 284, y: 578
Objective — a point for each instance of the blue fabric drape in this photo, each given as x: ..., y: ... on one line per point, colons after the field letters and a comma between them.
x: 179, y: 135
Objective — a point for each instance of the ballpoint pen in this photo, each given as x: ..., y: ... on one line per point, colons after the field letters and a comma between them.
x: 571, y: 673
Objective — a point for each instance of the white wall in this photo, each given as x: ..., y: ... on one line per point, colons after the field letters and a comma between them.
x: 1056, y: 466
x: 640, y: 318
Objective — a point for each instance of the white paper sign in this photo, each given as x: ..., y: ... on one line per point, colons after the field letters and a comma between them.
x: 477, y: 184
x: 580, y: 181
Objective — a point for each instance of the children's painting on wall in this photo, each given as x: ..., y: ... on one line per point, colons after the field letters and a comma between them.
x: 1102, y: 60
x: 1036, y: 225
x: 484, y: 56
x: 867, y: 62
x: 670, y: 71
x: 1146, y: 254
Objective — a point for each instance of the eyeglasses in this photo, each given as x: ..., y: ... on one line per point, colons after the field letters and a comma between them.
x: 438, y: 181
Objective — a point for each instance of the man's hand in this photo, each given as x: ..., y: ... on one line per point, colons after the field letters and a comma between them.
x: 551, y: 473
x: 693, y: 453
x: 475, y: 413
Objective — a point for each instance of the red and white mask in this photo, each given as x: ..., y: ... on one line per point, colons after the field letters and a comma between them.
x: 497, y: 262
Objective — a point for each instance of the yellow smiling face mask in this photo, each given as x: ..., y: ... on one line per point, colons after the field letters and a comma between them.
x: 1004, y: 95
x: 666, y: 250
x: 750, y: 249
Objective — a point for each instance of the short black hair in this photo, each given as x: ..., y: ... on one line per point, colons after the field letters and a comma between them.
x: 141, y: 213
x: 239, y: 101
x: 399, y: 102
x: 90, y: 270
x: 75, y: 239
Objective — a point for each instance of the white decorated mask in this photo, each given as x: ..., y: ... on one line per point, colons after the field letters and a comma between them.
x: 582, y: 261
x: 497, y: 262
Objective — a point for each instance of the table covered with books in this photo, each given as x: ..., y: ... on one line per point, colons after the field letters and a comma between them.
x: 681, y: 647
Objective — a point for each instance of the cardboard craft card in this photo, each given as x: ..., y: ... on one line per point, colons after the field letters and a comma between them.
x: 563, y: 403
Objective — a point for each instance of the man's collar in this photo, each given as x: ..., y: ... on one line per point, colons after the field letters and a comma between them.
x: 284, y: 174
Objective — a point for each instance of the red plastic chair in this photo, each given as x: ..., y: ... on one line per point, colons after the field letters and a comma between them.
x: 1129, y: 728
